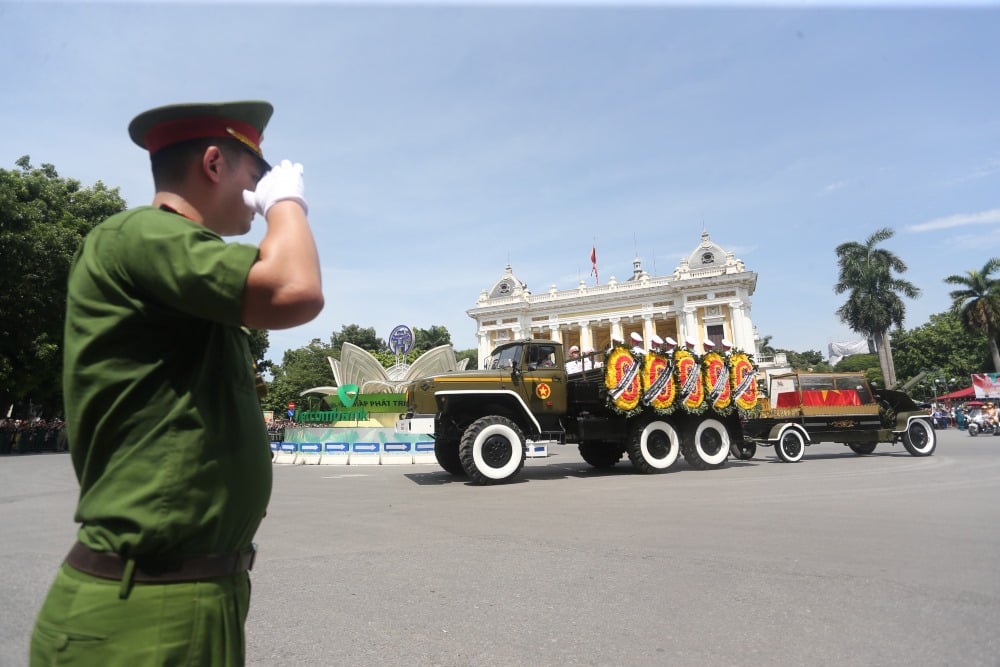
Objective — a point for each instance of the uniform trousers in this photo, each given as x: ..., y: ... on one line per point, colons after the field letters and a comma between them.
x: 85, y: 621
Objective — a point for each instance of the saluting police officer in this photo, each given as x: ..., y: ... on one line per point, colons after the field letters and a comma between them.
x: 164, y: 424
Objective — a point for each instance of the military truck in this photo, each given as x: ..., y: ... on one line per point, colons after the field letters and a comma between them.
x: 803, y: 408
x: 653, y: 406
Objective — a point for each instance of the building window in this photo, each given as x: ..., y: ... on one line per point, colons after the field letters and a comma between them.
x: 716, y: 334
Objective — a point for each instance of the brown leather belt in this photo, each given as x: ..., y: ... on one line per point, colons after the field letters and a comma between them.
x: 108, y: 565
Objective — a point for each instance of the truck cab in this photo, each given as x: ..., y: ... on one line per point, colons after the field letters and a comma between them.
x: 488, y: 413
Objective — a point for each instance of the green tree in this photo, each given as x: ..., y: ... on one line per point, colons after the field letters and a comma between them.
x: 300, y: 369
x: 43, y: 218
x: 365, y: 338
x: 811, y: 360
x: 428, y: 339
x: 977, y: 303
x: 472, y: 354
x: 862, y: 363
x: 258, y: 348
x: 873, y: 304
x: 941, y: 348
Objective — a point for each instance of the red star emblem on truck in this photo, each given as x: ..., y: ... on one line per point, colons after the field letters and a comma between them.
x: 542, y: 391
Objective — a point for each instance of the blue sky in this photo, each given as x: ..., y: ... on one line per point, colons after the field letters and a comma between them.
x: 442, y: 140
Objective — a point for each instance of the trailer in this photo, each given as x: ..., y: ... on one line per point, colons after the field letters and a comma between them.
x: 803, y: 408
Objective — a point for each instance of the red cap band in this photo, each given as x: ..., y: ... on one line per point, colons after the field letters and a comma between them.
x: 175, y: 131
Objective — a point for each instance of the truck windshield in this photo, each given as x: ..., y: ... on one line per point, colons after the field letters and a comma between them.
x: 503, y: 358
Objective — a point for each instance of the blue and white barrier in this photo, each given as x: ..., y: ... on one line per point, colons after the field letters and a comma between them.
x: 287, y: 452
x: 310, y: 453
x: 423, y: 452
x: 365, y: 453
x: 397, y: 453
x: 336, y: 453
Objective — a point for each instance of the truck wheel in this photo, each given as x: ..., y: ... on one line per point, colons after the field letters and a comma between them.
x: 790, y: 446
x: 743, y: 450
x: 708, y: 446
x: 919, y: 438
x: 653, y: 448
x: 446, y: 453
x: 862, y: 448
x: 600, y: 454
x: 492, y: 450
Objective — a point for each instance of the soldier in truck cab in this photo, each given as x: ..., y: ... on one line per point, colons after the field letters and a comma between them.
x: 542, y: 356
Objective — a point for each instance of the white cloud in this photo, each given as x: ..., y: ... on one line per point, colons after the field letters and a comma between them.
x: 958, y: 220
x: 833, y: 187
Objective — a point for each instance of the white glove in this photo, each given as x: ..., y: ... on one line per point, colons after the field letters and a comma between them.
x: 284, y: 181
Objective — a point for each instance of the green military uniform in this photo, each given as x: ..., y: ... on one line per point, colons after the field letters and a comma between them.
x: 166, y: 438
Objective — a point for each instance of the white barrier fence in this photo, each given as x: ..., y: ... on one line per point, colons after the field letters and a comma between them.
x: 369, y: 453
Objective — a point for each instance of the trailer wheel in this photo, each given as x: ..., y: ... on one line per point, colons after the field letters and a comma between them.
x: 654, y: 447
x: 743, y: 450
x: 492, y: 450
x: 862, y: 448
x: 790, y: 446
x: 446, y: 453
x: 600, y: 454
x: 707, y: 446
x: 919, y: 439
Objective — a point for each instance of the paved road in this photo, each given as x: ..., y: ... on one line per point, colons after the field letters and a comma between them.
x: 836, y: 560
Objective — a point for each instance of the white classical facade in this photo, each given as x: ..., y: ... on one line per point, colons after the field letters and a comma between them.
x: 707, y: 297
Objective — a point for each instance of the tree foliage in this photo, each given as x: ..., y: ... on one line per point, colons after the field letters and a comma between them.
x: 428, y: 339
x: 363, y: 337
x: 472, y: 354
x: 300, y: 369
x: 873, y: 304
x: 43, y: 218
x: 977, y: 304
x: 942, y: 348
x: 862, y: 363
x: 810, y: 360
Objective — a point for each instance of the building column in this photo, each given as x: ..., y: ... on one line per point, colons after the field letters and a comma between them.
x: 742, y: 326
x: 648, y: 331
x: 555, y: 333
x: 485, y: 347
x: 616, y: 329
x: 688, y: 326
x: 586, y: 337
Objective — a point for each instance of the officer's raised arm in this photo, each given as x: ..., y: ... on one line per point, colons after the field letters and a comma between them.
x: 284, y: 287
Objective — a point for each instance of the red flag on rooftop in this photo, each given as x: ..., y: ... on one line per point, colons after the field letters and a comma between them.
x: 593, y: 261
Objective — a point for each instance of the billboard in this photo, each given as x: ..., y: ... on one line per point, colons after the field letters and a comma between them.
x: 986, y: 385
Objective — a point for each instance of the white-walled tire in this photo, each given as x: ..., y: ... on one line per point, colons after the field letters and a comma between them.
x: 791, y: 446
x: 492, y: 450
x: 707, y: 445
x: 654, y: 447
x: 920, y: 438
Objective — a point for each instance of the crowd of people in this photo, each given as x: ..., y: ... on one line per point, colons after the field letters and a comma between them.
x: 957, y: 416
x: 26, y: 436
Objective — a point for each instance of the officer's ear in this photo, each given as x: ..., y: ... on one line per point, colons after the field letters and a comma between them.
x: 212, y: 160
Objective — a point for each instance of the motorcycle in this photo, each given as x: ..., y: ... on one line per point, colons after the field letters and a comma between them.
x: 979, y: 424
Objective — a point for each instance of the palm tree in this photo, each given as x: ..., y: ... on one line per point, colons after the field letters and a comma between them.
x: 765, y: 346
x: 978, y: 304
x: 873, y: 303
